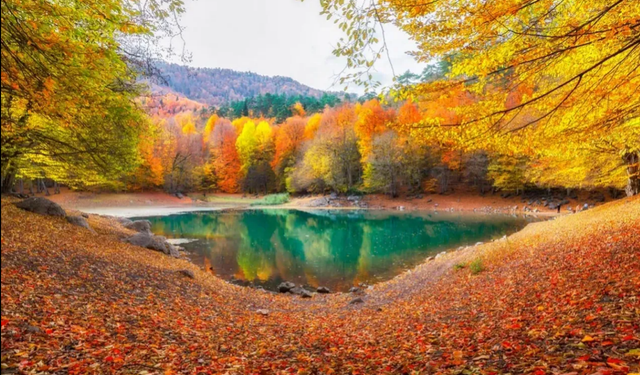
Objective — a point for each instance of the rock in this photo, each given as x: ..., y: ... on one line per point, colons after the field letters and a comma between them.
x: 333, y: 196
x: 264, y: 312
x: 84, y: 215
x: 429, y: 200
x: 41, y: 206
x: 153, y: 242
x: 139, y: 226
x: 400, y: 208
x: 306, y: 294
x: 80, y: 222
x: 286, y: 286
x: 296, y: 290
x: 354, y: 289
x: 585, y: 206
x: 319, y: 202
x: 179, y: 195
x: 172, y: 250
x: 323, y: 290
x: 356, y: 301
x: 187, y: 273
x: 123, y: 220
x: 353, y: 198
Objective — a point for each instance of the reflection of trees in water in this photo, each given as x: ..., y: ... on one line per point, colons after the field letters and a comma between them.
x: 331, y: 249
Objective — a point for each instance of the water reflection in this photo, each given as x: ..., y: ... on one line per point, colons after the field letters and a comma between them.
x: 336, y: 249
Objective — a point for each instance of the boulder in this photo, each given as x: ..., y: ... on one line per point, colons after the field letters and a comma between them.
x: 172, y: 250
x: 150, y: 241
x: 356, y: 300
x: 264, y: 312
x: 319, y: 202
x: 179, y: 195
x: 300, y: 291
x: 306, y: 294
x: 354, y: 289
x: 139, y: 226
x: 323, y: 290
x: 84, y: 215
x: 41, y: 206
x: 187, y: 273
x: 286, y: 286
x: 80, y: 222
x: 333, y: 196
x: 123, y: 220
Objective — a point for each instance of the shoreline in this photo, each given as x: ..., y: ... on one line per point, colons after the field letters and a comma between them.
x: 161, y: 204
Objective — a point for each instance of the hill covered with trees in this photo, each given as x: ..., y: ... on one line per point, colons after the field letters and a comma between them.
x: 217, y: 87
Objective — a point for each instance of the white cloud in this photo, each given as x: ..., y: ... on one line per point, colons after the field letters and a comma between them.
x: 277, y: 37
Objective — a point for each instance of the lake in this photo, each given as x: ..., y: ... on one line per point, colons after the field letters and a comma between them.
x: 332, y: 248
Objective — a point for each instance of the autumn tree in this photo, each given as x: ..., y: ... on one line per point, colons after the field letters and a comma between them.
x: 288, y: 142
x: 570, y: 60
x: 68, y: 81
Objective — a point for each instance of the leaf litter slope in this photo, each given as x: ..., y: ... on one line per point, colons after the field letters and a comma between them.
x: 558, y: 297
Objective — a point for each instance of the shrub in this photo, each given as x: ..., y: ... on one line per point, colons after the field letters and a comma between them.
x: 459, y: 266
x: 272, y: 200
x: 476, y: 266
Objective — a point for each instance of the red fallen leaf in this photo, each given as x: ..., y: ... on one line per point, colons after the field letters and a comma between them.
x: 607, y: 343
x: 584, y: 358
x: 108, y: 358
x: 4, y: 322
x: 48, y: 331
x: 628, y: 338
x: 614, y: 361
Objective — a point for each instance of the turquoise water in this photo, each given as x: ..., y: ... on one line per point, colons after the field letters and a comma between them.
x: 336, y: 249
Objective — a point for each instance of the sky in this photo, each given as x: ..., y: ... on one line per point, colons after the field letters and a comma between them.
x: 279, y: 37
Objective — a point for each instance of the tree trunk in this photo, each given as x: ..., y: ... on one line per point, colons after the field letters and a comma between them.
x: 44, y: 188
x: 633, y: 173
x: 8, y: 179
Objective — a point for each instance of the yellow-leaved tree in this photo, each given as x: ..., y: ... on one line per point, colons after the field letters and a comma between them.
x: 554, y: 81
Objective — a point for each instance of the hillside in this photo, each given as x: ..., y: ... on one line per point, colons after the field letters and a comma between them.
x: 221, y: 86
x: 82, y: 303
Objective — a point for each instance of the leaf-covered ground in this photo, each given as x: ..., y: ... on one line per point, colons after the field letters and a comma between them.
x: 558, y: 297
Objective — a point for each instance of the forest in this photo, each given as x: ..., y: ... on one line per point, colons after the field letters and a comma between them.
x: 219, y: 87
x: 85, y: 120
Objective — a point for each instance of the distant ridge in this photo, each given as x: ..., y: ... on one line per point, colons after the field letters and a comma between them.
x: 216, y: 86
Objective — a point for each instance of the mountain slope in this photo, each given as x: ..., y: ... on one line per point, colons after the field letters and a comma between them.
x: 220, y: 86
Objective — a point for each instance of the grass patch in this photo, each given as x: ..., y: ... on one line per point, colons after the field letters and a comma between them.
x: 476, y: 266
x: 459, y: 266
x: 272, y: 200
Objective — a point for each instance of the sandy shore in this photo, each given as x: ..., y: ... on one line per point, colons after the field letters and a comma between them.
x: 160, y: 203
